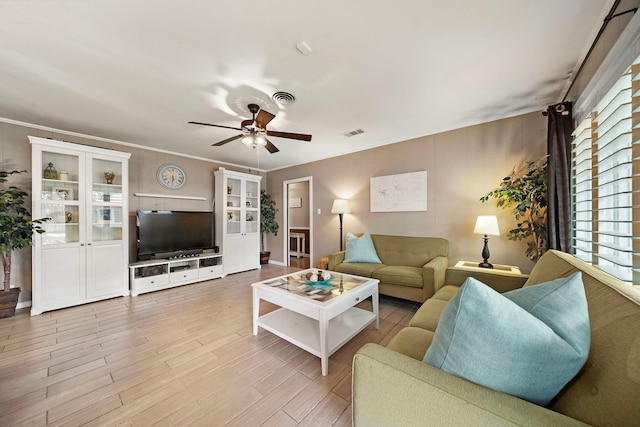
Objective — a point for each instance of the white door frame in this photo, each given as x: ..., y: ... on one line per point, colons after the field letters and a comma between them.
x: 285, y: 216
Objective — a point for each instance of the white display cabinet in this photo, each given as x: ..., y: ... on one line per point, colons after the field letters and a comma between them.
x: 237, y: 210
x: 83, y: 254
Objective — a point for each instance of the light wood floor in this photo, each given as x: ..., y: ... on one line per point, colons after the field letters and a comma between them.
x: 183, y: 356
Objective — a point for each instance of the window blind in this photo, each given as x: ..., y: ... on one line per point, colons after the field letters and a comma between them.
x: 582, y: 236
x: 606, y: 181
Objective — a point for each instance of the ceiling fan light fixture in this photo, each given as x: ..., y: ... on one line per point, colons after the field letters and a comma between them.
x: 247, y: 140
x: 254, y: 140
x: 254, y: 131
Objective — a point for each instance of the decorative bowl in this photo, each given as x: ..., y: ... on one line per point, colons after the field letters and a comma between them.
x: 320, y: 284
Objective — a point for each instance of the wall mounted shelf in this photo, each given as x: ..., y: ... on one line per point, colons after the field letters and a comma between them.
x: 169, y: 196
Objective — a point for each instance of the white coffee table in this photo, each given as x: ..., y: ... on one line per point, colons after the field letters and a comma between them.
x: 317, y: 321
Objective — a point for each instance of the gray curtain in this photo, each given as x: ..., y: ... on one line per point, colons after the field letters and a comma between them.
x: 560, y: 126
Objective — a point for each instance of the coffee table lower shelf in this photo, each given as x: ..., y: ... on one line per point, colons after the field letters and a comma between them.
x: 304, y: 331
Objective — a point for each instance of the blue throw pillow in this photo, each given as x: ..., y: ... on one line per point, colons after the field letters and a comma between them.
x: 361, y: 249
x: 528, y: 343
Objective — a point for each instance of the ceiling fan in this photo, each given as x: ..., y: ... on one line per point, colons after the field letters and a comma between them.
x: 254, y: 131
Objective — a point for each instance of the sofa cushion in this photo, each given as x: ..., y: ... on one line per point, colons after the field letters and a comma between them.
x: 399, y: 275
x: 410, y: 251
x: 361, y: 249
x: 446, y: 292
x: 428, y: 315
x: 528, y: 343
x: 412, y: 342
x: 358, y: 268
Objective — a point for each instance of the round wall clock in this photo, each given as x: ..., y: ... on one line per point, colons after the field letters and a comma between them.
x: 171, y: 176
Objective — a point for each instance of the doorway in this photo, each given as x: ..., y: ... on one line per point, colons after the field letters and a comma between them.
x: 298, y: 222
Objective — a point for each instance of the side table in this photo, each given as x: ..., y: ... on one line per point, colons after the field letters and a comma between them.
x: 502, y: 278
x: 300, y: 244
x: 497, y: 268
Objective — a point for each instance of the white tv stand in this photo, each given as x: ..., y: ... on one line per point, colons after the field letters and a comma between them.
x: 158, y: 274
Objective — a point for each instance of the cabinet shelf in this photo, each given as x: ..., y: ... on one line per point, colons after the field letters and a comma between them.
x: 108, y: 207
x: 97, y: 184
x: 59, y: 181
x: 60, y: 202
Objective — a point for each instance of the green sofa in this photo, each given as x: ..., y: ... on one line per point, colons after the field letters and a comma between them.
x: 392, y: 386
x: 413, y: 268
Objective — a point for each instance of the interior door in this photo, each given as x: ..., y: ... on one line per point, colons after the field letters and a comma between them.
x: 298, y: 192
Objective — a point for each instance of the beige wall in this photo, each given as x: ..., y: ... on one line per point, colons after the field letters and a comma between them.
x: 299, y: 217
x: 15, y: 152
x: 461, y: 166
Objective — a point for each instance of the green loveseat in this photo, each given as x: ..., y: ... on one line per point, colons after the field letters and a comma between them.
x: 392, y: 386
x: 413, y: 268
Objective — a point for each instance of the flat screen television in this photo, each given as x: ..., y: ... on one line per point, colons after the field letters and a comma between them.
x: 167, y: 234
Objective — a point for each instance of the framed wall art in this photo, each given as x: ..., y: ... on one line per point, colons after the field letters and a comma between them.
x: 406, y: 192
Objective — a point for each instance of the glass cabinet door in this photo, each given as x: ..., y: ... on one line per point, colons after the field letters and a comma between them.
x: 60, y: 197
x: 252, y: 204
x: 234, y: 208
x: 106, y: 200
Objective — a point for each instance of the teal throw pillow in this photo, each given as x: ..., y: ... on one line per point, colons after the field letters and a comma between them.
x: 361, y: 249
x: 528, y: 343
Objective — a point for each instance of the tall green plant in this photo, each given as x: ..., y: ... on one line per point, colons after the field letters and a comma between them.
x: 268, y: 224
x: 525, y: 190
x: 16, y: 229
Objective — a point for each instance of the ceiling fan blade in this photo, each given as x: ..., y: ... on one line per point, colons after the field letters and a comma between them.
x: 224, y: 141
x: 218, y: 126
x: 298, y: 136
x: 263, y: 118
x: 270, y: 147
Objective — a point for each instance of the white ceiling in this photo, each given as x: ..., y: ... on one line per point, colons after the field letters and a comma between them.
x: 138, y: 71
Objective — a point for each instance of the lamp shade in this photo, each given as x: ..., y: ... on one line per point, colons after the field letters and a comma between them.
x: 340, y: 206
x: 488, y: 225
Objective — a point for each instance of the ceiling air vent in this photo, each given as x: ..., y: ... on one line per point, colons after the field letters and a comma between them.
x: 353, y: 133
x: 283, y: 98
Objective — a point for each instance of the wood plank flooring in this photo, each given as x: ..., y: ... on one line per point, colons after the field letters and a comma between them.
x: 180, y: 357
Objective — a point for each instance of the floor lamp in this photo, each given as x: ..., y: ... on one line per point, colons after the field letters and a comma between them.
x: 340, y: 207
x: 487, y: 225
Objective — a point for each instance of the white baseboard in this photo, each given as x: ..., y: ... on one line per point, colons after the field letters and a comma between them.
x: 23, y: 304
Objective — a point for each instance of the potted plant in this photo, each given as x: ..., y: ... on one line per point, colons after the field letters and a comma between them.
x: 16, y: 231
x: 268, y: 224
x: 526, y: 190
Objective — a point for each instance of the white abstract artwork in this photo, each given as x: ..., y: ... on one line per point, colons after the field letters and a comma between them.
x: 295, y: 202
x: 406, y: 192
